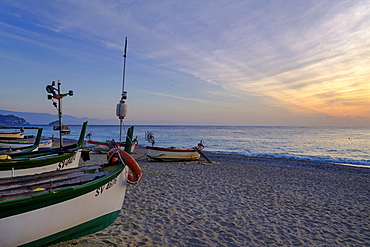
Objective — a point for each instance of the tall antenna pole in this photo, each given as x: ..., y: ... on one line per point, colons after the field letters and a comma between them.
x: 124, y: 94
x: 121, y: 109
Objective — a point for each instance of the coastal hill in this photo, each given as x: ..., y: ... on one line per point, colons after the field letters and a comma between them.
x: 46, y: 118
x: 12, y: 120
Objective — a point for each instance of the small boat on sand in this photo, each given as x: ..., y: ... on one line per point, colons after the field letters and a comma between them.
x: 53, y: 207
x: 20, y: 164
x: 102, y: 147
x: 32, y: 147
x: 23, y: 143
x: 11, y: 134
x: 173, y: 153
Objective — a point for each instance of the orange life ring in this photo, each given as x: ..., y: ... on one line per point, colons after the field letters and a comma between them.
x: 200, y: 146
x: 136, y: 176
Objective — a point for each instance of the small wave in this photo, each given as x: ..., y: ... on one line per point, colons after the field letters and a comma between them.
x: 359, y: 163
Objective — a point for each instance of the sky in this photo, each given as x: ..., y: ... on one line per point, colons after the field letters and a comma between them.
x: 209, y: 62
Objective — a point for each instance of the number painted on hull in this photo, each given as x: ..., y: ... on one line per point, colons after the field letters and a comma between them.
x: 65, y: 163
x: 107, y: 186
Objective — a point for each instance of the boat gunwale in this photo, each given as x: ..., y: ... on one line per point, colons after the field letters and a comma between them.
x: 34, y: 161
x: 25, y: 204
x: 171, y: 150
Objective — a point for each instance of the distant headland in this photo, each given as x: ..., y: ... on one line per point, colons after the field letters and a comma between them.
x: 12, y: 120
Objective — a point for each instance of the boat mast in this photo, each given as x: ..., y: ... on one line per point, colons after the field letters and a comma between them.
x: 55, y: 94
x: 121, y: 108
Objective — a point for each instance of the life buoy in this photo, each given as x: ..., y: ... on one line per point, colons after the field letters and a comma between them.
x: 200, y: 146
x: 136, y: 173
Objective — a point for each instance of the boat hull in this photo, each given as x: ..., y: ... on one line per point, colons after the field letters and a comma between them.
x: 38, y: 165
x: 102, y: 147
x: 12, y: 144
x: 171, y: 154
x: 68, y: 214
x: 11, y: 135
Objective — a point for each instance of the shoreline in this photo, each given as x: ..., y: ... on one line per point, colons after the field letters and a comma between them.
x: 300, y: 163
x: 239, y: 201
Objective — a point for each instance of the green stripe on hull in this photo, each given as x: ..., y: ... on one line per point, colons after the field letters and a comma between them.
x: 32, y: 163
x: 26, y: 204
x: 84, y: 229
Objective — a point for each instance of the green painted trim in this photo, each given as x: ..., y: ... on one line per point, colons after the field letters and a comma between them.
x: 66, y: 149
x: 29, y: 203
x: 83, y: 229
x: 128, y: 143
x: 27, y: 163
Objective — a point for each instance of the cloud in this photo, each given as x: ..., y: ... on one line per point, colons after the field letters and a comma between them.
x: 309, y: 57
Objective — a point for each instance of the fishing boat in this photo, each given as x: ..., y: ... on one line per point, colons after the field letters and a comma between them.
x: 24, y: 149
x: 20, y: 164
x: 173, y: 153
x: 49, y: 208
x: 102, y: 147
x: 11, y: 134
x: 25, y: 143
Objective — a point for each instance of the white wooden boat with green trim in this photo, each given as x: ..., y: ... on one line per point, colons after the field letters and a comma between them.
x: 48, y: 208
x: 20, y: 164
x: 11, y: 134
x: 26, y: 149
x: 25, y: 143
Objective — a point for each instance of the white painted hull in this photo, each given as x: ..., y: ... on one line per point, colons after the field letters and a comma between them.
x: 171, y: 154
x: 23, y: 144
x: 12, y: 135
x: 37, y: 224
x: 103, y: 147
x: 69, y: 163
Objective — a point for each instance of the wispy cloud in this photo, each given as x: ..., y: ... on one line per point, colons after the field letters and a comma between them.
x: 309, y: 57
x: 177, y: 97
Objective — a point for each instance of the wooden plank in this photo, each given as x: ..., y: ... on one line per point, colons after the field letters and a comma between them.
x: 46, y: 175
x: 26, y: 190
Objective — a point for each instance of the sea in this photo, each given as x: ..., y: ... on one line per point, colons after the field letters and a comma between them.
x: 344, y: 145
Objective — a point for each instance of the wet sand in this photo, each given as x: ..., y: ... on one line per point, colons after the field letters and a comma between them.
x: 240, y: 201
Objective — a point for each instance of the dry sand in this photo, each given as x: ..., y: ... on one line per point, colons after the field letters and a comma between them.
x: 240, y: 201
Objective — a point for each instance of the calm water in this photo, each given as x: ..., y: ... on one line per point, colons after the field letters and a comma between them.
x: 331, y: 144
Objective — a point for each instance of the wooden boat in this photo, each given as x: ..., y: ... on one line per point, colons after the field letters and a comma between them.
x: 102, y: 147
x: 25, y: 149
x: 25, y: 143
x: 48, y: 208
x: 11, y: 134
x: 20, y: 164
x: 173, y: 153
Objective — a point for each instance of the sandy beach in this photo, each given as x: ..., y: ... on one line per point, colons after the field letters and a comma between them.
x: 240, y: 201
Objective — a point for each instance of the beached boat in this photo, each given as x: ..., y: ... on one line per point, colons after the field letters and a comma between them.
x: 173, y: 153
x: 102, y: 147
x: 11, y: 134
x: 20, y: 164
x: 48, y: 208
x: 25, y: 143
x: 25, y: 149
